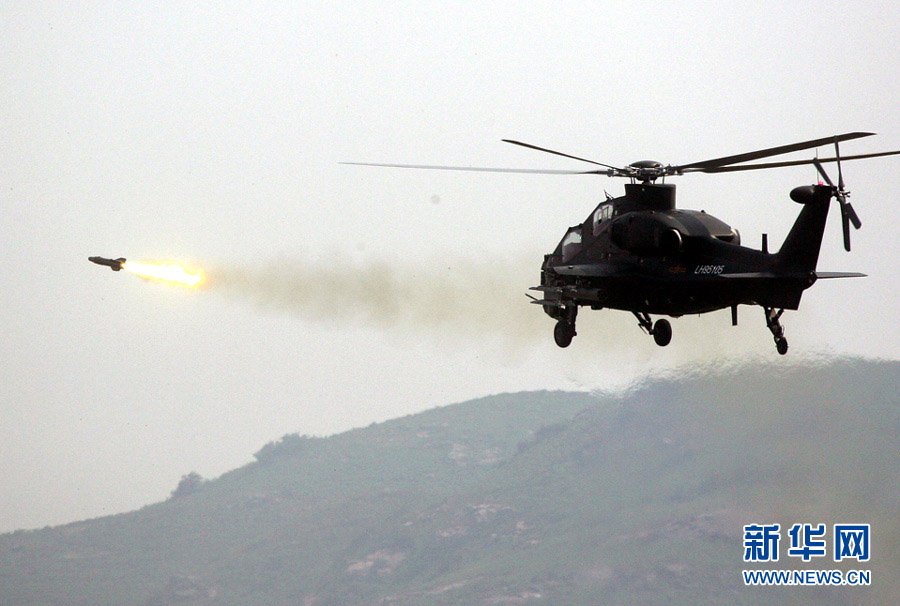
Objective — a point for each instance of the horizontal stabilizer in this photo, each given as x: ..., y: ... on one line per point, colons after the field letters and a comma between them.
x: 763, y: 275
x: 839, y: 274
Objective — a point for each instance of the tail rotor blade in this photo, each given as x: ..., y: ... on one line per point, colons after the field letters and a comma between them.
x: 853, y: 216
x: 847, y: 211
x: 848, y: 215
x: 845, y: 223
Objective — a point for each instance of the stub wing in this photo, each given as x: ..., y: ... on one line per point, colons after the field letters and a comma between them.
x: 559, y: 291
x: 839, y: 274
x: 545, y: 302
x: 592, y: 270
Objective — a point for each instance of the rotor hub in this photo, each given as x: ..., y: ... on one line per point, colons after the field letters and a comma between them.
x: 646, y: 170
x: 641, y: 164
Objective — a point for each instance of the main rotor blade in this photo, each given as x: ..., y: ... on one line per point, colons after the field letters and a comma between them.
x: 771, y: 151
x: 535, y: 171
x: 729, y: 169
x: 837, y: 153
x: 550, y: 151
x: 822, y: 172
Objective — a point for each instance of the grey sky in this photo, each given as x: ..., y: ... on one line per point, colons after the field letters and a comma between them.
x: 212, y: 133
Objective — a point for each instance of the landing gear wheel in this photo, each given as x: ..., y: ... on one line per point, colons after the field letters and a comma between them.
x: 662, y: 332
x: 781, y: 345
x: 772, y: 321
x: 563, y: 333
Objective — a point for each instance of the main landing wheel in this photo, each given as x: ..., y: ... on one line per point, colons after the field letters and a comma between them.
x: 563, y: 333
x: 662, y: 332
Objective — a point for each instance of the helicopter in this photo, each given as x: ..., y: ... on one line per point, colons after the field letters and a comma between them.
x: 641, y: 254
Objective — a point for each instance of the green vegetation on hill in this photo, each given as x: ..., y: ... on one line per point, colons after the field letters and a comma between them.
x: 533, y: 498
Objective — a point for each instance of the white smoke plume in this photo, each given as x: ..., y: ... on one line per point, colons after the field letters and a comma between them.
x: 466, y: 298
x: 444, y: 294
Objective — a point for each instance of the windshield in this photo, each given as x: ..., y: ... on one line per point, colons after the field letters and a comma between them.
x: 571, y: 244
x: 603, y: 213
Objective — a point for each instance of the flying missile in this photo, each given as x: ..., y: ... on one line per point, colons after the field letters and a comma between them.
x: 113, y: 264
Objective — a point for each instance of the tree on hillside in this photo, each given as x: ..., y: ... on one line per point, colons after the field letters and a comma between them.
x: 289, y: 445
x: 188, y: 485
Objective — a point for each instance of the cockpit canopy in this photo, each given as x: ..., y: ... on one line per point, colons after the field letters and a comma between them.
x: 571, y: 243
x: 603, y: 213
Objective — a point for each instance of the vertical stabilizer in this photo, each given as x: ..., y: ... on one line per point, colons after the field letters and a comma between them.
x: 800, y: 251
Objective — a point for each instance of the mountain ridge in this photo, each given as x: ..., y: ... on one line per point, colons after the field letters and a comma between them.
x: 537, y: 497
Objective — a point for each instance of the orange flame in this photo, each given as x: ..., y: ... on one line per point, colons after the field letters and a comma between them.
x: 166, y: 272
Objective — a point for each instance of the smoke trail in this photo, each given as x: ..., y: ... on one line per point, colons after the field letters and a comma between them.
x: 466, y: 298
x: 459, y: 295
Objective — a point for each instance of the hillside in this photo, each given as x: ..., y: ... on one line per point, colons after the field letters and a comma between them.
x: 530, y: 498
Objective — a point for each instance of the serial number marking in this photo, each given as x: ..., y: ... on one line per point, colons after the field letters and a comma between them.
x: 709, y: 269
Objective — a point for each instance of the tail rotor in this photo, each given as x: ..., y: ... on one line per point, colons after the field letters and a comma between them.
x: 848, y: 215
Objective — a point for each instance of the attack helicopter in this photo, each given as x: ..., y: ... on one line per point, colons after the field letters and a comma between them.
x: 639, y: 253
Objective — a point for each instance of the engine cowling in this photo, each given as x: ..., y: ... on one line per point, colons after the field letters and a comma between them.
x: 646, y: 233
x: 668, y: 233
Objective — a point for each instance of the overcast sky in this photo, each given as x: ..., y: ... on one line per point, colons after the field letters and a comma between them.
x: 211, y: 133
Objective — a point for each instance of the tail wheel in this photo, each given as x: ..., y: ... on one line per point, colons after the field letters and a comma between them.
x: 563, y: 333
x: 662, y: 332
x: 781, y: 345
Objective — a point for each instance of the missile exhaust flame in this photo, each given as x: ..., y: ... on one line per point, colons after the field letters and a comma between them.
x: 165, y: 272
